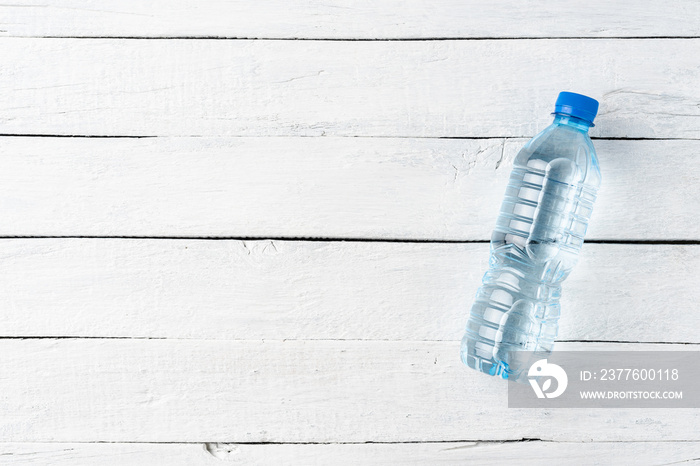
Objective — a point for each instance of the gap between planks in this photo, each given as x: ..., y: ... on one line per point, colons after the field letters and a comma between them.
x: 332, y: 39
x: 528, y: 451
x: 465, y: 138
x: 349, y: 340
x: 365, y: 442
x: 325, y: 239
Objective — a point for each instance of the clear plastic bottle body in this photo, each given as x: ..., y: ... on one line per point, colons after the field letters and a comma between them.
x: 534, y: 247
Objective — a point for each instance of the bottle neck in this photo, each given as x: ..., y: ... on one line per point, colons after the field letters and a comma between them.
x: 568, y: 120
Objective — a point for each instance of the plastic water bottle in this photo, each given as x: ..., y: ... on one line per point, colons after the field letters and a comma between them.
x: 536, y: 242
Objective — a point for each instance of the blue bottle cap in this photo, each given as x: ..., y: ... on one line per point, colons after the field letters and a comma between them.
x: 576, y: 105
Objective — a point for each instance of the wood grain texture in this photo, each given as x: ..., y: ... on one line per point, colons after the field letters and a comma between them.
x: 483, y: 88
x: 293, y: 391
x: 528, y: 453
x: 326, y: 344
x: 336, y: 290
x: 386, y: 188
x: 350, y: 19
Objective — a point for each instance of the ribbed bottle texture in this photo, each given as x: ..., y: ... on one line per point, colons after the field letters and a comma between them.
x: 534, y: 247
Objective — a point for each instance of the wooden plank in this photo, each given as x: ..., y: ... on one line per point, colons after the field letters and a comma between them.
x: 526, y: 453
x: 477, y: 88
x: 391, y: 188
x: 92, y: 390
x: 317, y: 290
x: 353, y: 19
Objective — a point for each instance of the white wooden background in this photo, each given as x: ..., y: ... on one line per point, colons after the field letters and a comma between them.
x: 250, y: 232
